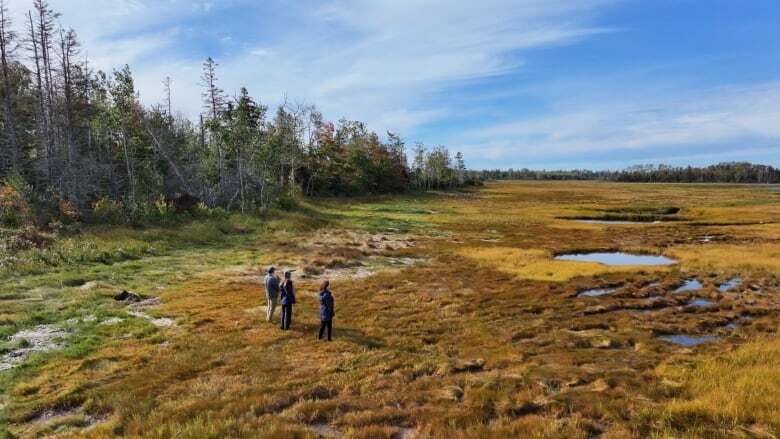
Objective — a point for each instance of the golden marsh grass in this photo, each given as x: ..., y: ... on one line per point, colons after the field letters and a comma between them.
x: 483, y: 336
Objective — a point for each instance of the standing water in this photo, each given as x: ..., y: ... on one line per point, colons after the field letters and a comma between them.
x: 616, y: 258
x: 688, y: 340
x: 730, y: 284
x: 688, y: 285
x: 701, y: 303
x: 596, y: 292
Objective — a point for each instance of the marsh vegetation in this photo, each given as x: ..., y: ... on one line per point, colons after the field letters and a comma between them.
x: 453, y: 320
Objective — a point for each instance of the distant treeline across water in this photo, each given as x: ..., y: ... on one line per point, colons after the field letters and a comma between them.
x: 734, y: 172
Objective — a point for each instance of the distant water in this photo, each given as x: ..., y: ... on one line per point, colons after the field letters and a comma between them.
x: 617, y: 258
x: 730, y: 284
x: 689, y: 285
x: 688, y: 340
x: 616, y: 222
x: 596, y: 292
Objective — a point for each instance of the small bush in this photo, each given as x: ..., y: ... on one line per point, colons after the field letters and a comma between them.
x: 68, y: 212
x: 163, y: 208
x: 286, y: 203
x: 201, y: 210
x: 14, y: 209
x: 108, y: 211
x: 26, y: 238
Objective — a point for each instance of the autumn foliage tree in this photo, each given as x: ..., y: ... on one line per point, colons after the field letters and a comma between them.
x: 84, y: 144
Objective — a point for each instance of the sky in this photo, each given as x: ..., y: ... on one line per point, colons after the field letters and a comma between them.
x: 540, y: 84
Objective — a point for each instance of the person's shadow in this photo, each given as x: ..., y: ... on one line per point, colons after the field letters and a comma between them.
x: 350, y: 334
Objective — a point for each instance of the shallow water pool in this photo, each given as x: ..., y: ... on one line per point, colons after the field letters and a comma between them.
x: 730, y: 284
x: 689, y: 285
x: 688, y: 340
x: 617, y: 258
x: 701, y: 303
x: 596, y: 292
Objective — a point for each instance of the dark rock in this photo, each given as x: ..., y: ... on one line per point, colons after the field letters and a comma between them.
x: 127, y: 296
x: 183, y: 202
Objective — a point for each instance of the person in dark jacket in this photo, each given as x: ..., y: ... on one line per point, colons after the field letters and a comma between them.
x: 271, y: 283
x: 327, y: 310
x: 288, y: 299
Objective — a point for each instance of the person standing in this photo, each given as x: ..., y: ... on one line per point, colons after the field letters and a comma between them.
x: 288, y: 299
x: 271, y: 292
x: 327, y: 310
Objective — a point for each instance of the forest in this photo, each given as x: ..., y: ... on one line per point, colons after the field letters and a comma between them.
x: 737, y: 172
x: 77, y: 143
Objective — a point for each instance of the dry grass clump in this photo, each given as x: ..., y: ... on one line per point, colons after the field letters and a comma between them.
x: 386, y: 415
x: 738, y: 388
x: 372, y: 432
x: 731, y: 257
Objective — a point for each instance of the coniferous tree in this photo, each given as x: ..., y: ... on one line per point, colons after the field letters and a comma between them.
x: 80, y: 140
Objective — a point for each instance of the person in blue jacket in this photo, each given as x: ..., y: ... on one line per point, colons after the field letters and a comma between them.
x: 326, y: 310
x: 288, y: 299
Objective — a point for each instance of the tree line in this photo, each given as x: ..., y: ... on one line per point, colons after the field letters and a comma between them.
x: 73, y: 139
x: 733, y: 172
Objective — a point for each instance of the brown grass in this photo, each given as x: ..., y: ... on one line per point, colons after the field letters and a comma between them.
x: 485, y: 339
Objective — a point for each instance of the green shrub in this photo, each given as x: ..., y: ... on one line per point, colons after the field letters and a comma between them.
x: 286, y: 203
x: 108, y: 211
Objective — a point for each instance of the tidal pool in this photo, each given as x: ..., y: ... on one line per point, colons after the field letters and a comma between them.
x: 688, y: 285
x: 730, y: 284
x: 688, y: 340
x: 596, y: 292
x: 616, y: 258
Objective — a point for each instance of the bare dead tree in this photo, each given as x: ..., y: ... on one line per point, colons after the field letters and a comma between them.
x: 167, y: 91
x: 68, y: 51
x: 214, y: 102
x: 44, y: 149
x: 41, y: 31
x: 7, y: 47
x: 213, y: 96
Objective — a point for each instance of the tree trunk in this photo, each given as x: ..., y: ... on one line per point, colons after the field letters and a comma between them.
x: 44, y: 145
x: 8, y: 94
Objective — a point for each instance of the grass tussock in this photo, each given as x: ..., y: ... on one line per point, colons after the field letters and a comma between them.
x: 737, y: 388
x: 724, y: 257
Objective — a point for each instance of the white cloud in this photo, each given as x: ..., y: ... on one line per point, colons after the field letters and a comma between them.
x: 260, y: 51
x: 393, y: 63
x: 713, y: 116
x: 389, y: 57
x: 370, y: 60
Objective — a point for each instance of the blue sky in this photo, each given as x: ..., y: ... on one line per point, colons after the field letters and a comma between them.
x: 511, y: 83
